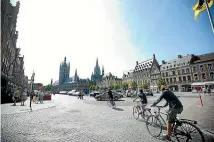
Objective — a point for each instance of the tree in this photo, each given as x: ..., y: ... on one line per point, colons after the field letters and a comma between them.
x: 133, y: 84
x: 96, y: 87
x: 116, y: 86
x: 49, y: 87
x: 161, y: 82
x: 145, y: 86
x: 111, y: 86
x: 125, y: 85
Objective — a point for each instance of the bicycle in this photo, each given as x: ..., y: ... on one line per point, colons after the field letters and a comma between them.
x: 137, y: 110
x: 111, y: 103
x: 177, y: 129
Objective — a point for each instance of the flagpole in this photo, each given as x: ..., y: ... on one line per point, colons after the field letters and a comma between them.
x: 210, y: 16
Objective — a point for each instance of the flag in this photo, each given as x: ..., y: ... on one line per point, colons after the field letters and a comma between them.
x: 200, y: 7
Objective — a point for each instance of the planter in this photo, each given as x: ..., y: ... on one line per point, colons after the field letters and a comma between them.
x: 47, y: 97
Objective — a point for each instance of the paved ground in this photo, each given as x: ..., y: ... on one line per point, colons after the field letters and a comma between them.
x: 79, y: 121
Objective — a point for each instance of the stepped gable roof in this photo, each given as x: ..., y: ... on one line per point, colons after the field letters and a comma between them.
x: 144, y: 65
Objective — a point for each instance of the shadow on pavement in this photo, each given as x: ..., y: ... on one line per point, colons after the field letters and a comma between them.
x: 114, y: 100
x: 118, y: 109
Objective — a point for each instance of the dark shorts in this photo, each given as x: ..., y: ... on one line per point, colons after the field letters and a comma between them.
x: 173, y: 113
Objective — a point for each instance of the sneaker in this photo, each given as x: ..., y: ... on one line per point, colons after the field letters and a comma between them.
x: 166, y: 137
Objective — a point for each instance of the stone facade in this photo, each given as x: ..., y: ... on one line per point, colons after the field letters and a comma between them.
x: 108, y: 80
x: 12, y: 65
x: 202, y: 69
x: 128, y: 77
x: 96, y: 76
x: 64, y: 71
x: 177, y: 73
x: 147, y: 72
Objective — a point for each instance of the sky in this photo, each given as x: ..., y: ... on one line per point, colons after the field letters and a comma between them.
x: 117, y: 32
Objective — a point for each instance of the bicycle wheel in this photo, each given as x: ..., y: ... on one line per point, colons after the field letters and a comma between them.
x: 146, y: 113
x: 154, y: 124
x: 183, y: 132
x: 136, y: 112
x: 113, y: 104
x: 109, y: 103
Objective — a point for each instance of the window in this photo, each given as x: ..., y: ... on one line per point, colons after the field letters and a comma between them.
x: 184, y: 78
x: 204, y: 76
x: 174, y: 79
x: 163, y: 74
x: 212, y: 75
x: 170, y: 79
x: 201, y: 67
x: 178, y: 72
x: 187, y: 70
x: 183, y: 71
x: 173, y: 72
x: 209, y: 66
x: 194, y: 69
x: 180, y: 79
x: 167, y: 80
x: 166, y: 73
x: 188, y: 78
x: 195, y: 77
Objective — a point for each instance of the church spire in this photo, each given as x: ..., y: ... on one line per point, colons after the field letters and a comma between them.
x: 75, y: 73
x: 51, y: 81
x: 103, y: 70
x: 97, y: 63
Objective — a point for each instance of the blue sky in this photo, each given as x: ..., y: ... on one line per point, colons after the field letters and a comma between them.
x: 167, y: 28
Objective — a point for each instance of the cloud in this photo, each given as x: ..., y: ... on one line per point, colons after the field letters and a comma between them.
x: 80, y: 30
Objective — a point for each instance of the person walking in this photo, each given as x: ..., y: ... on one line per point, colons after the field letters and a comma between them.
x: 16, y: 96
x: 23, y: 97
x: 41, y: 95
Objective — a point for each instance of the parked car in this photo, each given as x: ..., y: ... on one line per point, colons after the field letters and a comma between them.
x: 94, y: 93
x: 104, y: 96
x: 63, y: 92
x: 76, y: 93
x: 148, y: 93
x: 71, y: 93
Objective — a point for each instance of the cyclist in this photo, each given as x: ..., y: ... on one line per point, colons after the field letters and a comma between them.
x: 143, y: 100
x: 175, y: 107
x: 110, y: 95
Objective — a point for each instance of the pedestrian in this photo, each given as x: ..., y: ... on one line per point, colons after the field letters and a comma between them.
x: 15, y: 96
x: 23, y: 97
x: 82, y: 95
x: 41, y: 96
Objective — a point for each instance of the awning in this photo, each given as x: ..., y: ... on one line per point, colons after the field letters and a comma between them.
x: 209, y: 83
x: 202, y: 83
x: 198, y: 84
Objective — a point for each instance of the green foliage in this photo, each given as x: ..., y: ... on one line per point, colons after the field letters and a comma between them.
x: 125, y: 85
x: 161, y: 82
x: 111, y: 86
x: 48, y: 87
x: 116, y: 86
x: 145, y: 86
x: 96, y: 87
x: 133, y: 84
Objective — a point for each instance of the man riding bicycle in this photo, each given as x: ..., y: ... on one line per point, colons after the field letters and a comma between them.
x: 143, y: 100
x: 175, y: 107
x: 110, y: 94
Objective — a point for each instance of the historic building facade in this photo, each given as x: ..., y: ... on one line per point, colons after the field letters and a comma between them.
x: 12, y: 65
x: 202, y: 69
x: 177, y: 73
x: 147, y: 72
x: 128, y: 77
x: 108, y: 80
x: 67, y: 83
x: 64, y: 71
x: 97, y: 75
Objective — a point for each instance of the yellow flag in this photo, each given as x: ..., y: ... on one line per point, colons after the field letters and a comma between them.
x: 197, y: 9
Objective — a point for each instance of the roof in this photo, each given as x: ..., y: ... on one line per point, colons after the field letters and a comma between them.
x: 205, y: 57
x: 177, y: 62
x: 144, y: 65
x: 202, y: 83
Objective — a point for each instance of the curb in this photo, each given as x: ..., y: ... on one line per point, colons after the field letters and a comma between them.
x: 208, y: 132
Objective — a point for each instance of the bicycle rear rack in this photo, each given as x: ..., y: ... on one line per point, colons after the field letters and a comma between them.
x: 191, y: 121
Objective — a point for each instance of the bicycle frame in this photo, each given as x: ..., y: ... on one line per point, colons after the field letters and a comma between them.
x: 159, y: 116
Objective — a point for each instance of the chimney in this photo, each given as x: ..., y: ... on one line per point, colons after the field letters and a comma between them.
x: 137, y: 62
x: 179, y: 56
x: 153, y: 56
x: 163, y: 62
